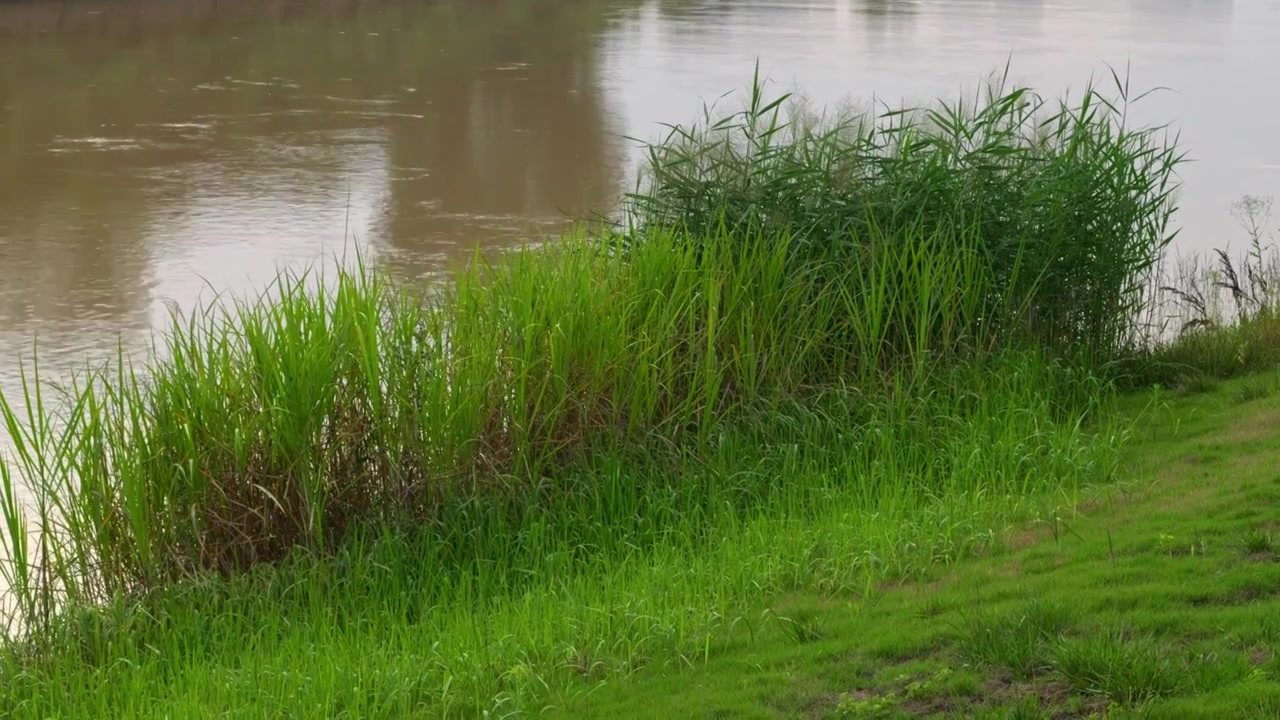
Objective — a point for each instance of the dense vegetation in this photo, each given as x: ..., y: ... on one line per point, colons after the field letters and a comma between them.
x: 814, y: 356
x: 1065, y: 208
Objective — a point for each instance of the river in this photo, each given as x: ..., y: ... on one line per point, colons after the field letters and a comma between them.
x: 154, y: 152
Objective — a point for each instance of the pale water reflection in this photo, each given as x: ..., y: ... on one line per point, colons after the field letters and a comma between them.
x: 157, y: 151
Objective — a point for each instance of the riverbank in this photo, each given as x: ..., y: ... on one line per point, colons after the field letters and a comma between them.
x: 821, y: 358
x: 624, y: 551
x: 1150, y: 596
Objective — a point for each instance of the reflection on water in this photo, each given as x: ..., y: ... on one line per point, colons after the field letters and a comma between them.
x: 152, y: 151
x: 155, y: 150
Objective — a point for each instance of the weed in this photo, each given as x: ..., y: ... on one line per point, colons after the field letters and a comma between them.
x: 1258, y: 542
x: 1019, y: 640
x: 1027, y: 708
x: 1196, y: 383
x: 1253, y: 391
x: 928, y: 686
x: 867, y: 707
x: 802, y: 627
x: 1123, y: 669
x: 964, y: 685
x: 1269, y: 630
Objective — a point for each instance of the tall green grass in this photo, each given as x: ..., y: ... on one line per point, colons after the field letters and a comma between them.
x: 1068, y: 203
x: 287, y: 423
x: 837, y: 358
x: 658, y: 554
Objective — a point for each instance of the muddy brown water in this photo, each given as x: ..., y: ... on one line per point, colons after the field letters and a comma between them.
x: 154, y: 152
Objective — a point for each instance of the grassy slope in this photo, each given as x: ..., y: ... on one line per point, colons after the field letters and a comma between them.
x: 1160, y: 598
x: 381, y: 631
x: 678, y: 519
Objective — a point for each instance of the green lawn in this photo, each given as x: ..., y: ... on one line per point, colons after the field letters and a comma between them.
x: 1159, y: 597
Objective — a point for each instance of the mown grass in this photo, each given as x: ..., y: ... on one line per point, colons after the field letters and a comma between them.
x: 600, y: 456
x: 1159, y: 600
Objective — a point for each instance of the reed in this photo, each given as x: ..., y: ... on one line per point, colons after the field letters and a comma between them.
x: 1066, y: 200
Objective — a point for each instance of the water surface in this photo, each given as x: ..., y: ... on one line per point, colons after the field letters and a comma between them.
x: 153, y: 152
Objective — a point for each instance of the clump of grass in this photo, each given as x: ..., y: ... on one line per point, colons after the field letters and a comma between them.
x: 1021, y: 640
x: 1258, y: 542
x: 1126, y: 670
x: 1067, y: 203
x: 1196, y: 382
x: 1253, y: 391
x: 801, y: 626
x: 1027, y: 708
